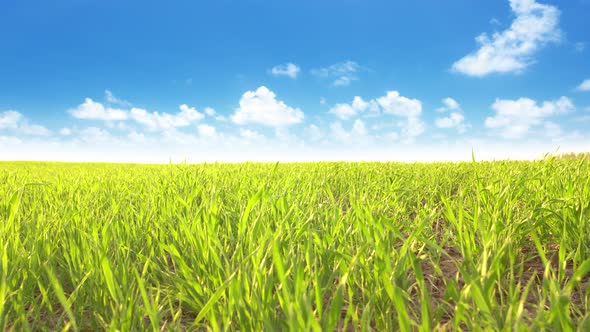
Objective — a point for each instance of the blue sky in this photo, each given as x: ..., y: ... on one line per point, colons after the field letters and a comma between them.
x: 151, y: 81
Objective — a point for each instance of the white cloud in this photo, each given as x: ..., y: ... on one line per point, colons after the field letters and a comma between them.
x: 342, y: 73
x: 359, y: 104
x: 584, y: 86
x: 120, y: 125
x: 412, y: 128
x: 512, y: 50
x: 409, y: 109
x: 112, y: 99
x: 359, y: 128
x: 136, y: 137
x: 95, y: 135
x: 552, y: 129
x: 250, y: 134
x: 175, y: 136
x: 156, y: 121
x: 65, y: 131
x: 207, y: 131
x: 313, y: 133
x: 15, y: 121
x: 392, y: 136
x: 495, y: 21
x: 394, y: 103
x: 343, y: 81
x: 189, y: 114
x: 34, y: 130
x: 286, y: 137
x: 262, y: 107
x: 209, y: 111
x: 10, y: 140
x: 455, y: 119
x: 288, y: 69
x: 338, y: 132
x: 91, y: 110
x: 514, y: 118
x: 343, y: 111
x: 451, y: 104
x: 10, y: 119
x: 580, y: 47
x: 347, y: 111
x: 357, y: 133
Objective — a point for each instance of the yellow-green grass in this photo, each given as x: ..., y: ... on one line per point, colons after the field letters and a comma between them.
x: 302, y: 246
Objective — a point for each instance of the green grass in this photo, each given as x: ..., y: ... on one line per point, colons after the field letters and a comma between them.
x: 302, y: 247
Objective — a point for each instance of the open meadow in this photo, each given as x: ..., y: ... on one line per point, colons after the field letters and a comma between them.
x: 303, y: 247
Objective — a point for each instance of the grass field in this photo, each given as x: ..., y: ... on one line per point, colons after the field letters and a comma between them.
x: 316, y: 246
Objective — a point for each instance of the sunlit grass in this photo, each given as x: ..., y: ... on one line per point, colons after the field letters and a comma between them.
x: 310, y: 246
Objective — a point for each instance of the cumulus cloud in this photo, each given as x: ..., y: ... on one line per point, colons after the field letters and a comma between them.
x: 412, y: 128
x: 552, y: 129
x: 92, y: 110
x: 342, y: 73
x: 391, y: 103
x: 313, y: 133
x: 407, y: 110
x: 343, y: 111
x: 262, y: 107
x: 286, y: 137
x: 96, y: 135
x: 534, y: 26
x: 10, y: 119
x: 359, y: 128
x: 175, y: 136
x: 209, y: 111
x: 455, y: 119
x: 212, y: 113
x: 136, y: 137
x: 207, y: 131
x: 347, y: 111
x: 288, y: 69
x: 339, y: 133
x: 153, y: 121
x: 396, y: 104
x: 584, y: 86
x: 34, y: 130
x: 357, y: 133
x: 19, y: 125
x: 514, y: 118
x: 65, y: 131
x: 450, y: 104
x: 162, y: 121
x: 250, y: 134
